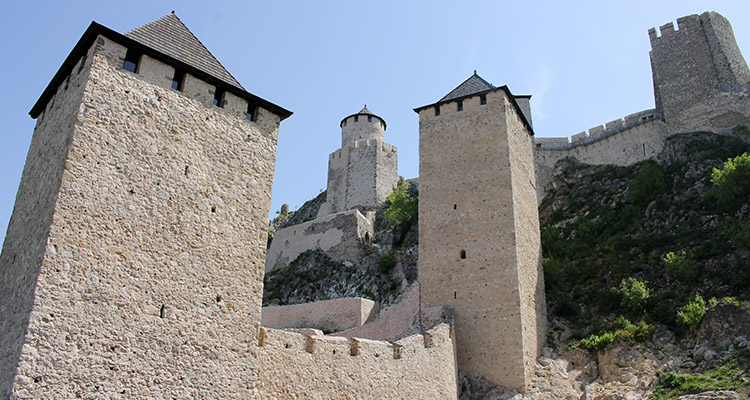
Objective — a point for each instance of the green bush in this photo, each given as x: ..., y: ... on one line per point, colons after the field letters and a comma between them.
x: 647, y: 185
x: 620, y: 329
x: 692, y: 313
x: 680, y: 266
x: 732, y: 181
x: 402, y: 207
x: 729, y: 376
x: 635, y: 295
x: 386, y: 262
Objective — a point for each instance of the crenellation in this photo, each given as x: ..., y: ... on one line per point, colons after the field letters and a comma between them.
x: 667, y: 29
x: 156, y: 72
x: 198, y: 90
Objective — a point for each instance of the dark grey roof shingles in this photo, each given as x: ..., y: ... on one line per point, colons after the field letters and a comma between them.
x: 170, y: 36
x: 474, y: 84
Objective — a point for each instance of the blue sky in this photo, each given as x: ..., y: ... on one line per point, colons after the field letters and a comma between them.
x: 584, y: 63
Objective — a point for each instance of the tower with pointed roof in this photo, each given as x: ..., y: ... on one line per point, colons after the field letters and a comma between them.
x: 133, y: 262
x: 364, y: 171
x: 479, y: 241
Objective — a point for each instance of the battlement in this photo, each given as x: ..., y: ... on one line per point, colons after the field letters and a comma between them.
x: 364, y: 144
x: 599, y: 132
x: 684, y: 25
x: 342, y: 347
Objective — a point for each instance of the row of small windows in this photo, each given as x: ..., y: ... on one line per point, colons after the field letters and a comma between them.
x: 356, y: 119
x: 482, y: 101
x: 132, y: 61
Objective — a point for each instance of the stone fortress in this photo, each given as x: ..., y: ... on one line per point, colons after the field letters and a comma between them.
x: 134, y: 260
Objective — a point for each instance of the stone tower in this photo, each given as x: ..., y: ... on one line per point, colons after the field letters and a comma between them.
x: 701, y: 80
x: 364, y: 171
x: 133, y: 262
x: 479, y: 243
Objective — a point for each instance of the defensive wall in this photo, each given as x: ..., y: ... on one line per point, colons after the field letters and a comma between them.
x: 340, y: 235
x: 295, y: 365
x: 637, y: 137
x: 327, y: 315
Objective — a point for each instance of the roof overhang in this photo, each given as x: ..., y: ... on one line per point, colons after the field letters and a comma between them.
x: 96, y: 29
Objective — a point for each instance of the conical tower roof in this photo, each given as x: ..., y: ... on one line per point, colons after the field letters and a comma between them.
x: 170, y: 36
x: 474, y: 84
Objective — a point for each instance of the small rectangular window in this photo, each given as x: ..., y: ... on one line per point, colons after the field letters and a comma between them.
x: 460, y: 105
x: 250, y: 113
x: 132, y: 59
x: 369, y: 118
x: 178, y: 79
x: 356, y: 118
x: 437, y: 110
x: 483, y: 99
x: 219, y: 98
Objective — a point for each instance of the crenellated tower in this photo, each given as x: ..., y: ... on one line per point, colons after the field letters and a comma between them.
x: 701, y: 80
x: 479, y: 241
x: 364, y: 171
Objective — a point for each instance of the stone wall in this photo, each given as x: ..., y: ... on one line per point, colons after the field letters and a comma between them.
x: 327, y: 315
x: 601, y: 145
x: 468, y: 233
x: 689, y: 65
x: 361, y: 173
x: 330, y: 367
x: 25, y: 250
x: 340, y: 235
x: 142, y: 277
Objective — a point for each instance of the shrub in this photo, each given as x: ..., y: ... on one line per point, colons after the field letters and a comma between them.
x: 647, y: 185
x: 386, y: 262
x: 692, y: 313
x: 402, y: 207
x: 635, y: 295
x: 621, y: 328
x: 732, y: 181
x: 680, y: 266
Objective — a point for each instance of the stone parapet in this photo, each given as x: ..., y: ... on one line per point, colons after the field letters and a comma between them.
x: 327, y: 315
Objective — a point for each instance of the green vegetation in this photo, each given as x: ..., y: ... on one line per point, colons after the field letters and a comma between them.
x: 386, y: 262
x: 402, y: 206
x: 692, y: 313
x: 648, y: 184
x: 635, y: 295
x: 620, y: 329
x: 681, y: 266
x: 733, y: 180
x: 729, y: 376
x: 641, y: 241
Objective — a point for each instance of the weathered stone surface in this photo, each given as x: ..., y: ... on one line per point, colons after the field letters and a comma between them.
x: 479, y: 234
x: 342, y: 236
x: 327, y: 315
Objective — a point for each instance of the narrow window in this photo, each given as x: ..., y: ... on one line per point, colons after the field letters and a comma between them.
x: 369, y: 118
x: 356, y: 118
x: 250, y: 114
x: 460, y: 105
x: 437, y: 110
x: 463, y: 254
x: 455, y: 294
x: 132, y: 58
x: 219, y: 98
x: 483, y: 99
x: 178, y: 79
x: 344, y: 122
x: 454, y: 206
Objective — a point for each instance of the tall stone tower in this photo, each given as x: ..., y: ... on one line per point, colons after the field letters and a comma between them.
x: 479, y: 243
x: 364, y: 171
x: 133, y: 262
x: 701, y: 80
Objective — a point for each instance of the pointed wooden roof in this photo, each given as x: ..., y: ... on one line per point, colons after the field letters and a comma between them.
x: 474, y: 84
x: 170, y: 36
x: 168, y: 40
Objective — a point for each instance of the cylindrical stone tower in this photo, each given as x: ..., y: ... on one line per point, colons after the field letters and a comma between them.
x: 361, y: 126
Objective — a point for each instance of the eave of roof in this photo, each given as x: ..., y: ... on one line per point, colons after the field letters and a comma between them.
x: 96, y: 29
x: 504, y: 88
x: 385, y: 126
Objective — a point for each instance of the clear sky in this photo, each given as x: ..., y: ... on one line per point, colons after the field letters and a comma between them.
x: 584, y: 63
